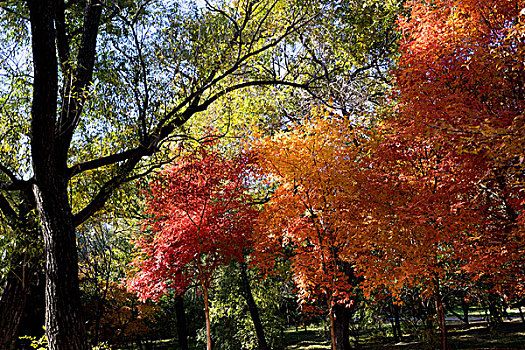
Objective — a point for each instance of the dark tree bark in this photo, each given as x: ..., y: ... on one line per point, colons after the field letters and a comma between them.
x: 342, y: 316
x: 182, y: 331
x: 55, y: 45
x: 396, y: 324
x: 64, y: 324
x: 252, y: 308
x: 465, y: 307
x: 12, y: 303
x: 440, y: 310
x: 50, y: 142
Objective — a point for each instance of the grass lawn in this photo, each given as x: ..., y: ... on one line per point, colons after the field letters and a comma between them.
x: 511, y: 335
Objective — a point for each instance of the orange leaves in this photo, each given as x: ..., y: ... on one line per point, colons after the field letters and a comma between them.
x: 316, y: 168
x: 458, y: 64
x: 460, y: 100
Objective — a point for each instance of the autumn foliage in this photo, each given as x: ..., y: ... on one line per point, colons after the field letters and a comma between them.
x: 198, y: 218
x: 314, y: 211
x: 431, y: 192
x: 427, y: 193
x: 461, y: 89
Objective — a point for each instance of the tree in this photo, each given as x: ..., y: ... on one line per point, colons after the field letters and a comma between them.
x: 313, y: 210
x: 454, y: 183
x: 20, y: 241
x: 419, y: 217
x: 200, y: 218
x: 91, y: 71
x: 460, y: 78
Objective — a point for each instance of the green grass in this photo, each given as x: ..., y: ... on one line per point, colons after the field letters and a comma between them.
x: 510, y: 335
x: 311, y: 339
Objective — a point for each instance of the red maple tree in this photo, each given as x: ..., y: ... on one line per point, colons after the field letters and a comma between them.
x: 198, y: 218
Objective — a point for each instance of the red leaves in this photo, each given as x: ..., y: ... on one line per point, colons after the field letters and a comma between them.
x: 199, y: 218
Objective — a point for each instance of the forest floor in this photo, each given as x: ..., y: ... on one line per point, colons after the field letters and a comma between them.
x: 510, y: 335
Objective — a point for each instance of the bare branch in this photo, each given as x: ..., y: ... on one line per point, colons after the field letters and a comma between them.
x: 75, y: 97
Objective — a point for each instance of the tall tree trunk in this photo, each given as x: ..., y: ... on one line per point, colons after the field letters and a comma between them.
x: 332, y: 324
x: 341, y: 323
x: 12, y: 303
x: 440, y: 310
x: 49, y: 151
x: 396, y: 322
x: 252, y: 308
x: 465, y: 307
x: 182, y: 331
x: 63, y: 321
x: 207, y: 317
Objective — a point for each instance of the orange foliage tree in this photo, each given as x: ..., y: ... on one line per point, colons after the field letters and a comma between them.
x: 420, y: 214
x: 314, y: 208
x: 448, y: 170
x: 460, y: 79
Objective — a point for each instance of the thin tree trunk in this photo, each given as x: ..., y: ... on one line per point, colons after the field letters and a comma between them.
x: 207, y: 317
x: 396, y: 324
x: 332, y: 324
x: 465, y: 307
x: 252, y: 308
x: 182, y: 331
x: 441, y: 316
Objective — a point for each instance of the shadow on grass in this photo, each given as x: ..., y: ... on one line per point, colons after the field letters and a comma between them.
x: 509, y: 336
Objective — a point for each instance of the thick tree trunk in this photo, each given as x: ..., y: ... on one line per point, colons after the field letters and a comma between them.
x: 341, y: 323
x: 396, y: 324
x: 12, y: 302
x: 182, y: 331
x: 49, y: 150
x: 252, y: 308
x: 64, y: 326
